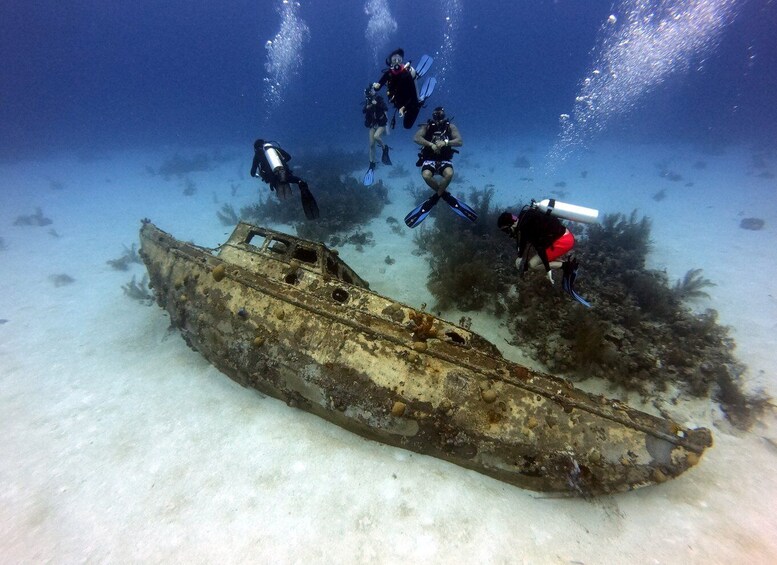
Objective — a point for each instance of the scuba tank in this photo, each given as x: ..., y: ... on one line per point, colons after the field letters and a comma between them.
x: 273, y: 156
x: 553, y: 207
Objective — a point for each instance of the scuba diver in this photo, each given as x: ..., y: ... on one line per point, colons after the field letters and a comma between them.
x: 437, y: 138
x: 271, y: 161
x: 538, y: 228
x: 400, y: 80
x: 375, y: 118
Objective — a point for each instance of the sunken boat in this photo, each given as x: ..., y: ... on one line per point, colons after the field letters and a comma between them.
x: 290, y: 318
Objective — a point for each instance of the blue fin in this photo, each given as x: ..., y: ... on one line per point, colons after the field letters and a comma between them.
x: 424, y: 64
x: 580, y: 299
x: 427, y: 89
x: 459, y: 207
x: 419, y: 213
x: 568, y: 281
x: 369, y: 176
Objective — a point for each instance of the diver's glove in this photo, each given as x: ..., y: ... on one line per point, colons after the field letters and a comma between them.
x: 549, y: 274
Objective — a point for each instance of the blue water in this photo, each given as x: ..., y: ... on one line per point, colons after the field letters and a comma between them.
x: 97, y: 76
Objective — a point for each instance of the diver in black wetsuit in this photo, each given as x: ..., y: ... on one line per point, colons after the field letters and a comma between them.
x: 375, y: 118
x: 271, y: 162
x: 437, y: 139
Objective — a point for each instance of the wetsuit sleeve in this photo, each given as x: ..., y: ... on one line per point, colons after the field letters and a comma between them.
x: 255, y: 164
x: 521, y: 242
x: 383, y: 79
x: 284, y: 155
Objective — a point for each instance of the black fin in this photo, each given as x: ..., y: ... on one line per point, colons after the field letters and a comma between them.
x: 385, y: 159
x: 309, y: 205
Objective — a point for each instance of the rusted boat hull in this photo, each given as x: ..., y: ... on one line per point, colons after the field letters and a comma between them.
x: 297, y: 324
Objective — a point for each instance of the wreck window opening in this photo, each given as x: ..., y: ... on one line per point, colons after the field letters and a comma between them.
x: 291, y: 278
x: 456, y: 338
x: 306, y: 255
x: 279, y: 246
x: 340, y: 295
x: 254, y: 234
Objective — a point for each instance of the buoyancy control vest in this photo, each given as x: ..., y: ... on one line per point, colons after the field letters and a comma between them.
x: 437, y: 132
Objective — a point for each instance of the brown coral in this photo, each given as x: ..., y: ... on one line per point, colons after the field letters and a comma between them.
x: 423, y: 326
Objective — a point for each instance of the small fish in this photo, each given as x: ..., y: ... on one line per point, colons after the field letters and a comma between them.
x: 3, y: 321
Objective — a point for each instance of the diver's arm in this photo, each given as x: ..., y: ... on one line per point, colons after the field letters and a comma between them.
x: 455, y: 138
x: 383, y: 80
x: 419, y: 137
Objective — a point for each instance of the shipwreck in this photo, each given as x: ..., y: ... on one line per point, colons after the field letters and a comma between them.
x: 290, y: 318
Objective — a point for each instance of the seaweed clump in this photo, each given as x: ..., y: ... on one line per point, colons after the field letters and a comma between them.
x: 344, y: 202
x: 138, y: 291
x: 36, y: 219
x: 466, y: 260
x: 690, y: 287
x: 227, y: 215
x: 640, y: 333
x: 129, y: 256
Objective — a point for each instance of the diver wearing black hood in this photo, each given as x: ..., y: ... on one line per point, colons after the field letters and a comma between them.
x: 375, y: 119
x: 271, y: 162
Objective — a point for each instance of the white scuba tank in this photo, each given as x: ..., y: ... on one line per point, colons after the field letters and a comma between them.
x: 566, y: 211
x: 273, y: 157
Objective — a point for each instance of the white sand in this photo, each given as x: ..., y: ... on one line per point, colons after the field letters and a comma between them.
x: 120, y: 444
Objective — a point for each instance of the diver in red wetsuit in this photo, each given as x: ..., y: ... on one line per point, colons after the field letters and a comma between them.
x: 400, y: 80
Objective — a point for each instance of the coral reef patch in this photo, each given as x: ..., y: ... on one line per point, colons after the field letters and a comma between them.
x: 344, y: 202
x: 640, y: 333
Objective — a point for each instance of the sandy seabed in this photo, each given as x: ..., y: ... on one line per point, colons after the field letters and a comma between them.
x: 121, y: 444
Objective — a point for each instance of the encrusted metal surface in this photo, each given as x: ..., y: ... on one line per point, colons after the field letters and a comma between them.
x: 286, y: 316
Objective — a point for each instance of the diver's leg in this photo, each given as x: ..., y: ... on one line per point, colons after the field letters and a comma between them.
x: 447, y: 176
x: 282, y: 188
x: 373, y: 139
x: 535, y: 263
x: 428, y: 177
x: 378, y: 134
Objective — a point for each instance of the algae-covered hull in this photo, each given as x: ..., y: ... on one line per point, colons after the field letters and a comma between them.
x: 288, y: 317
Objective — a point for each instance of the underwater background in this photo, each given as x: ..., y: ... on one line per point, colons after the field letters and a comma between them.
x: 96, y: 77
x: 122, y: 444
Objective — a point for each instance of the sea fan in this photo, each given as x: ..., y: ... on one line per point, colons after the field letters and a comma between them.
x: 690, y: 287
